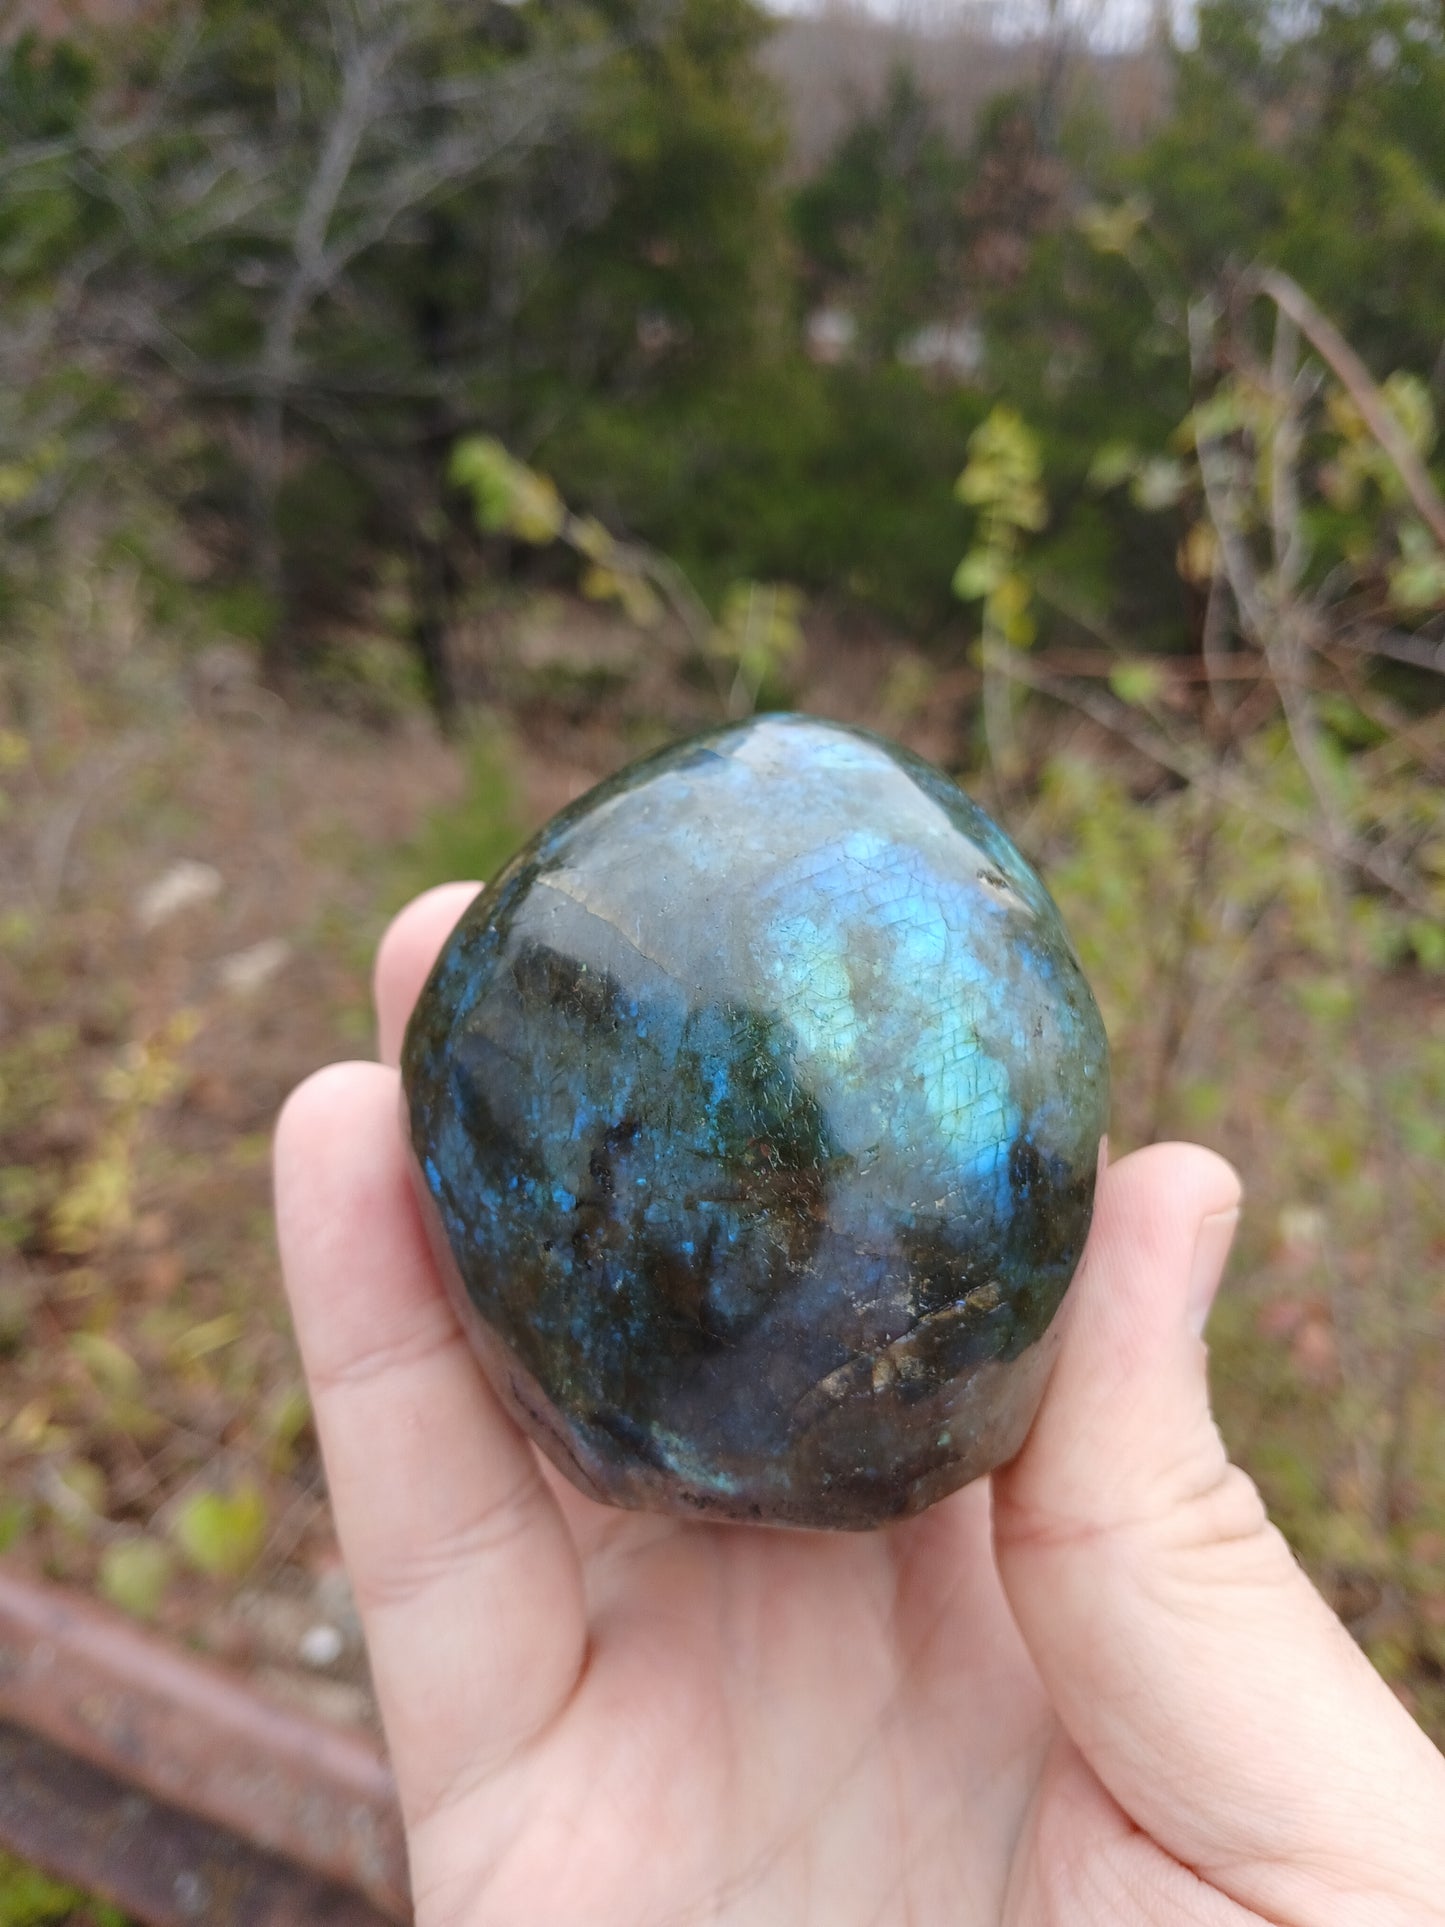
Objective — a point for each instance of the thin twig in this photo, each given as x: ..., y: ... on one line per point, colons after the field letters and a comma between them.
x: 1419, y: 651
x: 1193, y: 767
x: 1327, y: 341
x: 57, y: 836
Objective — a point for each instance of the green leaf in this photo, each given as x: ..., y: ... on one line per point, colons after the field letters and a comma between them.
x: 1004, y: 470
x: 1197, y: 556
x: 16, y: 1518
x: 484, y: 468
x: 1137, y: 683
x: 1417, y: 581
x: 1408, y: 399
x: 222, y: 1534
x: 1028, y: 508
x: 1113, y: 230
x: 1427, y: 939
x: 1347, y: 722
x: 1224, y: 412
x: 590, y: 539
x: 134, y: 1574
x: 1114, y: 463
x: 286, y: 1415
x: 538, y: 512
x: 636, y: 596
x: 213, y: 1335
x: 1010, y: 609
x: 109, y: 1364
x: 509, y: 498
x: 979, y: 574
x: 29, y: 1898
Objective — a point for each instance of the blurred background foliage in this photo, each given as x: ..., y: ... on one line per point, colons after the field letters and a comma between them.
x: 268, y: 267
x: 410, y: 411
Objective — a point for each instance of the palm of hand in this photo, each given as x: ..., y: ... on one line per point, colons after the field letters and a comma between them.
x: 776, y: 1727
x: 766, y: 1726
x: 1112, y: 1701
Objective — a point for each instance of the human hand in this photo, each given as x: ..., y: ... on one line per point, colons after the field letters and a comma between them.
x: 1095, y: 1688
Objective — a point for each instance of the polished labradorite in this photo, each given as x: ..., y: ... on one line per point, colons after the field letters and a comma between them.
x: 759, y: 1101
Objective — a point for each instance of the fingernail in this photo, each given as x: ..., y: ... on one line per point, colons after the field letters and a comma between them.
x: 1211, y: 1249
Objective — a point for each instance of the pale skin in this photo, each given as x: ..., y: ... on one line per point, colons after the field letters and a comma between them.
x: 1094, y: 1689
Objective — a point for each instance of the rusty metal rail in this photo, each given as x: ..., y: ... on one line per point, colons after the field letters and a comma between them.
x: 160, y: 1866
x: 104, y: 1721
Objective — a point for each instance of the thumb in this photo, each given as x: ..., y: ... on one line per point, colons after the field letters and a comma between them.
x: 1199, y: 1673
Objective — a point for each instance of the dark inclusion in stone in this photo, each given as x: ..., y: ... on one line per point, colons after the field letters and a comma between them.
x: 758, y: 1103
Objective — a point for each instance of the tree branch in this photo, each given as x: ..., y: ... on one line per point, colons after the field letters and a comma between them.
x: 1327, y: 341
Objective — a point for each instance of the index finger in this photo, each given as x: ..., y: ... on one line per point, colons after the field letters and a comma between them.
x: 406, y: 954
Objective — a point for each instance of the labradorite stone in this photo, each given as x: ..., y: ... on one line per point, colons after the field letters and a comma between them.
x: 757, y: 1107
